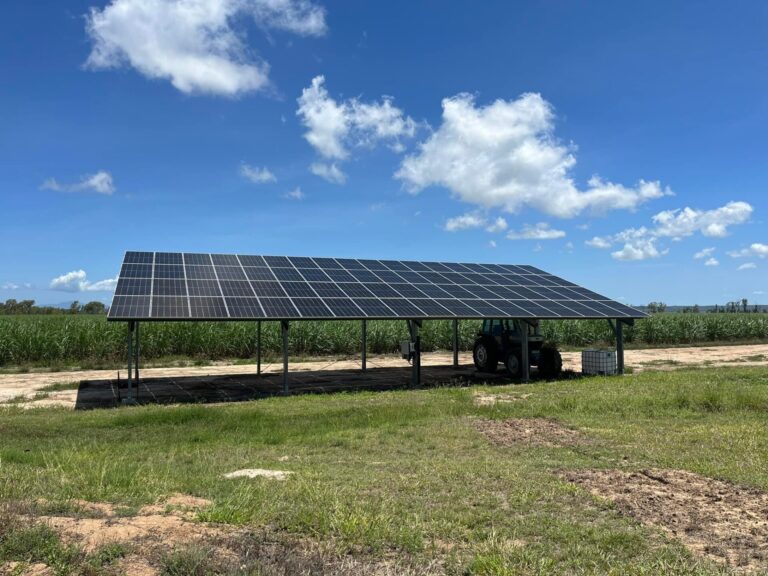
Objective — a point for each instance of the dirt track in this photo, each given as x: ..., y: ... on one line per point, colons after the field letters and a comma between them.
x: 15, y: 386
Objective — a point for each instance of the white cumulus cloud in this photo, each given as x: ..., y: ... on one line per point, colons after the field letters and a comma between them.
x: 540, y: 231
x: 643, y: 243
x: 754, y: 250
x: 256, y: 175
x: 335, y: 127
x: 329, y: 172
x: 598, y: 242
x: 295, y: 194
x: 712, y: 262
x: 498, y: 225
x: 464, y: 222
x: 194, y: 43
x: 77, y: 281
x: 505, y: 155
x: 101, y: 183
x: 639, y: 249
x: 747, y: 266
x: 705, y: 253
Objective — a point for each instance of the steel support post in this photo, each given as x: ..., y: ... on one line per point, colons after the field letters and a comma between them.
x: 620, y: 346
x: 136, y: 361
x: 129, y: 397
x: 618, y: 332
x: 284, y: 328
x: 364, y: 345
x: 456, y: 343
x: 525, y: 360
x: 138, y: 354
x: 258, y: 347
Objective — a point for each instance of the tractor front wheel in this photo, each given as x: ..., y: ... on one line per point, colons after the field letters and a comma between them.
x: 484, y: 355
x: 550, y: 363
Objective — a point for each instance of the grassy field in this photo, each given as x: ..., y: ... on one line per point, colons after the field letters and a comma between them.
x: 58, y: 341
x: 403, y: 477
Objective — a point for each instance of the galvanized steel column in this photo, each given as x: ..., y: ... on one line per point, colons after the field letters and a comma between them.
x: 284, y: 328
x: 525, y: 361
x: 456, y: 343
x: 364, y: 346
x: 619, y: 346
x: 258, y: 347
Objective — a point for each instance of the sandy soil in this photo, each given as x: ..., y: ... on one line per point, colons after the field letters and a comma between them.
x: 170, y: 525
x: 528, y: 432
x: 715, y: 519
x: 14, y: 386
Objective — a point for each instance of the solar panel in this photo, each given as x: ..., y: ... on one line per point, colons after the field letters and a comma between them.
x: 182, y: 286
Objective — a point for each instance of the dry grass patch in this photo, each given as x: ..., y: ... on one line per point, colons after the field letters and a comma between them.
x: 486, y: 399
x: 529, y: 432
x: 715, y: 519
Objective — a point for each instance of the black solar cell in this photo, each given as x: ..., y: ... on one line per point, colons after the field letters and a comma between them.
x: 230, y: 273
x: 327, y: 290
x: 339, y: 275
x: 314, y: 275
x: 252, y: 260
x: 197, y: 259
x: 236, y: 288
x: 287, y: 274
x: 355, y: 290
x: 139, y: 257
x: 311, y: 307
x: 374, y: 308
x: 225, y: 260
x: 136, y: 271
x: 168, y: 287
x: 170, y: 307
x: 343, y: 308
x: 301, y: 262
x: 298, y: 289
x: 279, y: 308
x: 278, y: 261
x: 381, y: 290
x: 267, y: 288
x: 169, y: 271
x: 200, y: 272
x: 208, y: 307
x: 133, y: 287
x: 258, y: 273
x: 203, y: 287
x: 168, y: 258
x: 244, y: 307
x: 129, y: 307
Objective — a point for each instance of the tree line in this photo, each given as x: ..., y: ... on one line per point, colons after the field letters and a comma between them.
x: 741, y: 306
x: 18, y: 307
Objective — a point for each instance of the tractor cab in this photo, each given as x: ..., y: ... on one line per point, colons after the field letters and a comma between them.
x: 500, y: 340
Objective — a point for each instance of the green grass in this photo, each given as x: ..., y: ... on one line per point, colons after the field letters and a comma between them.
x: 56, y: 342
x: 403, y: 473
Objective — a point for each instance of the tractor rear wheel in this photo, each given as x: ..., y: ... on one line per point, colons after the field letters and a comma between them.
x: 550, y: 363
x: 484, y: 355
x: 512, y: 363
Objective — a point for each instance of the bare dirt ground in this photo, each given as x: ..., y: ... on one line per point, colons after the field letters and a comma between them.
x: 528, y: 432
x: 156, y: 532
x: 715, y: 519
x: 23, y: 388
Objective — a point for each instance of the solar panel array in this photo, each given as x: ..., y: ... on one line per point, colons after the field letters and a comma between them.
x: 181, y: 286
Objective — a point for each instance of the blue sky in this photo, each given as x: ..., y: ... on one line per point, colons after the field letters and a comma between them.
x: 621, y: 146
